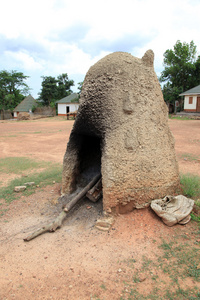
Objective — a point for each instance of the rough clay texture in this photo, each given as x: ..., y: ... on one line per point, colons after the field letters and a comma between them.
x: 122, y: 128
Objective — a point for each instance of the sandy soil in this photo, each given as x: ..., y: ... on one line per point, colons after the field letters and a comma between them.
x: 78, y: 261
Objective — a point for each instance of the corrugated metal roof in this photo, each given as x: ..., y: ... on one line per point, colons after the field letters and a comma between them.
x: 26, y: 104
x: 69, y: 99
x: 193, y: 91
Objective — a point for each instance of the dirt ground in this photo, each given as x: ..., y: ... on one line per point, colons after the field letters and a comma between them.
x: 78, y: 261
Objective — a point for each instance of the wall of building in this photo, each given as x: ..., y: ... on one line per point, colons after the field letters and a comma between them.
x: 62, y: 108
x: 190, y: 107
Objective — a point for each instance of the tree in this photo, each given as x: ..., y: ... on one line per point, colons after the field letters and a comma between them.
x: 12, y: 89
x: 49, y: 90
x: 55, y: 89
x: 180, y: 70
x: 196, y: 74
x: 80, y: 85
x: 64, y: 85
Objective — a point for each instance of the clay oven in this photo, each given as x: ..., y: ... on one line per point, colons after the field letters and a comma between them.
x: 122, y: 131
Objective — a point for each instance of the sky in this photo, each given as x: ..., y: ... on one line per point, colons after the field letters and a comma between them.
x: 51, y: 37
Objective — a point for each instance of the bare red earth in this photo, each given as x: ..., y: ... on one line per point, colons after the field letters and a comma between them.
x: 78, y: 261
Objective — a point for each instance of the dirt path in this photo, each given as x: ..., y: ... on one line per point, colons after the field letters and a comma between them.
x: 187, y: 144
x: 79, y: 262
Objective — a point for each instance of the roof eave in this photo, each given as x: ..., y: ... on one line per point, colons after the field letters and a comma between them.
x: 185, y: 94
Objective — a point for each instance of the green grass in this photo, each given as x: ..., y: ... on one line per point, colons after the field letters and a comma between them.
x: 18, y: 165
x: 179, y: 117
x: 186, y: 259
x: 103, y: 287
x: 176, y: 262
x: 50, y: 172
x: 190, y: 157
x: 190, y: 185
x: 195, y: 218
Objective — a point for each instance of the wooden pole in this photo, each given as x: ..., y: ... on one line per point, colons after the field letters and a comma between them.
x: 82, y: 193
x: 57, y: 223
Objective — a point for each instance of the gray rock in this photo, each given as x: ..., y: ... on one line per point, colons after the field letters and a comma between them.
x: 29, y: 183
x: 20, y: 188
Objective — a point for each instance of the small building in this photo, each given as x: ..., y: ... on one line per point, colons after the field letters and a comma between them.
x: 25, y: 106
x: 192, y: 99
x: 69, y: 104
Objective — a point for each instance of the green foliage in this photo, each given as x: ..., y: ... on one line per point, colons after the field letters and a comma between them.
x: 12, y: 89
x: 64, y: 86
x: 76, y: 100
x: 190, y: 185
x: 33, y: 108
x: 80, y: 85
x: 54, y: 89
x: 181, y: 70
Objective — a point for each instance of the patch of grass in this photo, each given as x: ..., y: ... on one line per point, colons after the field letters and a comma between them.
x: 190, y: 157
x: 136, y: 278
x: 2, y: 212
x: 12, y: 135
x: 146, y: 263
x: 177, y: 261
x: 103, y: 287
x: 190, y: 185
x: 179, y: 117
x: 195, y: 218
x: 18, y: 165
x: 186, y: 260
x: 95, y: 297
x: 181, y: 294
x: 51, y: 172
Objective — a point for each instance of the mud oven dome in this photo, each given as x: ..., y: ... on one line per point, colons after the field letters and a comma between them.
x: 122, y: 132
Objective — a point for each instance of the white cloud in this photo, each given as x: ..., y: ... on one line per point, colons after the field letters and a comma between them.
x: 25, y: 60
x: 50, y: 37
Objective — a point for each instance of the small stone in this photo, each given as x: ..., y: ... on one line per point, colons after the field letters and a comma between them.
x: 119, y: 270
x: 29, y: 183
x: 70, y: 286
x: 104, y: 223
x: 20, y: 188
x: 143, y: 278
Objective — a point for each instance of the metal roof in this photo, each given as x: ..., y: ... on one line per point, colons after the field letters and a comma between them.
x: 193, y: 91
x: 69, y: 99
x: 26, y: 104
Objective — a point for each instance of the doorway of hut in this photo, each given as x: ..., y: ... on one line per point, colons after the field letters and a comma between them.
x: 89, y: 157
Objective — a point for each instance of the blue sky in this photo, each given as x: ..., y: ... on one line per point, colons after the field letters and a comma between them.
x: 51, y: 37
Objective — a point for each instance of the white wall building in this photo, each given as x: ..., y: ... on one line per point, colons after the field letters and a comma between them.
x: 192, y: 99
x: 68, y: 104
